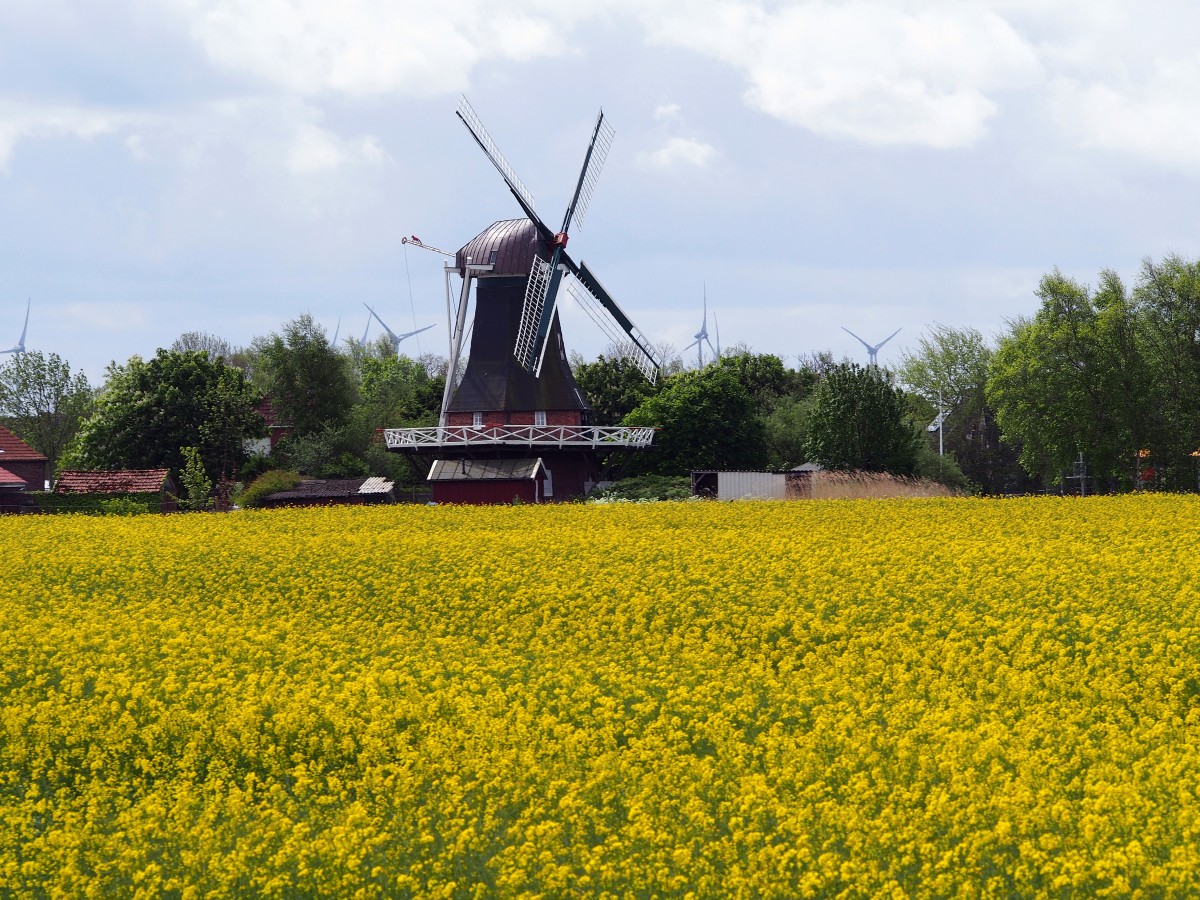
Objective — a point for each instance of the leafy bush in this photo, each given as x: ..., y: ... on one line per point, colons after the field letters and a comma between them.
x: 648, y: 487
x: 122, y: 506
x: 272, y: 482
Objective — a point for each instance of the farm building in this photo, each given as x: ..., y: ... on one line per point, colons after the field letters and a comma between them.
x: 277, y: 430
x: 23, y: 462
x: 335, y: 491
x: 793, y: 485
x: 155, y: 487
x: 490, y: 481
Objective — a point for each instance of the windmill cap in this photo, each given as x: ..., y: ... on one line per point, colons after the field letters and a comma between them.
x: 508, y: 246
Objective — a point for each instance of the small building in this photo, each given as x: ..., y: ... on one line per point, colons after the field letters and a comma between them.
x: 277, y: 430
x: 793, y: 485
x: 483, y: 481
x: 23, y: 462
x: 335, y: 491
x: 155, y: 487
x: 14, y: 498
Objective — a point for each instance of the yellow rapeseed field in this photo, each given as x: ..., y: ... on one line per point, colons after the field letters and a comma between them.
x: 858, y: 698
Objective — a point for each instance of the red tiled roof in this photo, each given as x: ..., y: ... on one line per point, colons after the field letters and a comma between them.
x: 8, y: 479
x: 128, y: 481
x: 12, y: 448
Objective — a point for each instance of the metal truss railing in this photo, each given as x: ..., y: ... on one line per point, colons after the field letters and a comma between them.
x: 596, y: 436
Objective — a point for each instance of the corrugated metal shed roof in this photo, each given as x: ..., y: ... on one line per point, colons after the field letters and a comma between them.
x: 13, y: 448
x: 322, y: 488
x: 127, y: 481
x: 484, y: 469
x: 376, y: 485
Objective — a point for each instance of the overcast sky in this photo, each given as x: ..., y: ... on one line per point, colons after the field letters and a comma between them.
x: 225, y: 165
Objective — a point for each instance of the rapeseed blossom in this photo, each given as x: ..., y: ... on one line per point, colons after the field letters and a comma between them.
x: 911, y: 698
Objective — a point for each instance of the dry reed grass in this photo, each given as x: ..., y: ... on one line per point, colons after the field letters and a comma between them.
x: 872, y: 486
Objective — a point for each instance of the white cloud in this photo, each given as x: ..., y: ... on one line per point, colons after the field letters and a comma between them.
x: 667, y: 112
x: 23, y: 121
x: 870, y: 70
x: 369, y: 47
x: 678, y: 152
x: 315, y: 149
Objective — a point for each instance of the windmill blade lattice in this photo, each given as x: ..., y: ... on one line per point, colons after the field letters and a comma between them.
x: 524, y: 197
x: 613, y: 330
x: 602, y: 138
x: 527, y: 351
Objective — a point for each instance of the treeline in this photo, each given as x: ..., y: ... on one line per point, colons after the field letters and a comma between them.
x: 1098, y: 390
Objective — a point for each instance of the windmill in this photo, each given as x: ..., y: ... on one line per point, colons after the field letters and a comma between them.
x: 20, y: 347
x: 871, y: 350
x: 701, y: 337
x: 517, y: 396
x: 394, y: 338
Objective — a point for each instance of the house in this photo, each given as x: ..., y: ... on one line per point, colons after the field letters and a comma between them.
x: 277, y: 430
x: 335, y: 491
x: 154, y: 486
x: 14, y: 497
x: 23, y: 462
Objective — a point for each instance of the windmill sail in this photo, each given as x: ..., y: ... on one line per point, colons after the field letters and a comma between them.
x: 546, y: 277
x: 475, y: 125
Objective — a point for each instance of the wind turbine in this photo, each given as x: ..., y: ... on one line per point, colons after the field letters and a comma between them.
x: 701, y: 337
x: 392, y: 336
x: 20, y: 348
x: 871, y: 351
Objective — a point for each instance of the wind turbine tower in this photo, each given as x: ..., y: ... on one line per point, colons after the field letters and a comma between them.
x: 701, y: 337
x: 872, y: 350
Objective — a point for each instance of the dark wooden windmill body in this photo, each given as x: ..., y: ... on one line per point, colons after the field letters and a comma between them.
x: 516, y: 426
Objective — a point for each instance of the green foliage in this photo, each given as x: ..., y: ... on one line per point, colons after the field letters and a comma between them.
x: 94, y: 504
x: 766, y: 379
x: 122, y: 506
x: 197, y: 486
x: 614, y: 387
x: 309, y: 382
x: 43, y: 402
x: 1058, y: 381
x: 272, y: 482
x: 148, y: 411
x: 786, y: 429
x: 942, y: 468
x: 860, y: 421
x: 648, y: 487
x: 707, y: 420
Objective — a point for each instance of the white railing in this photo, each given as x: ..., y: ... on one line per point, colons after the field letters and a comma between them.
x: 597, y: 436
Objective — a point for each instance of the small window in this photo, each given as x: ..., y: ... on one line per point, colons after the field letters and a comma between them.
x: 477, y: 419
x: 539, y: 417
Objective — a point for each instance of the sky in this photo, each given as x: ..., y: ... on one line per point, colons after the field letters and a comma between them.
x: 227, y: 165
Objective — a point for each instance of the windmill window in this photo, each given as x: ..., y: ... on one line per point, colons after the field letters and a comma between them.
x: 477, y: 419
x: 539, y: 417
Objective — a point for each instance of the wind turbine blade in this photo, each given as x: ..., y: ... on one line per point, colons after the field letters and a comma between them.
x: 475, y: 125
x: 336, y: 331
x: 870, y: 349
x: 888, y: 338
x: 409, y: 334
x: 25, y: 328
x: 716, y: 352
x: 391, y: 334
x: 593, y: 162
x: 689, y: 346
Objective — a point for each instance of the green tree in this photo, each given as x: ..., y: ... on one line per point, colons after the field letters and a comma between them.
x: 860, y: 421
x: 707, y: 420
x: 309, y: 382
x: 614, y: 387
x: 1168, y: 303
x: 197, y: 486
x: 149, y: 410
x: 951, y: 365
x: 1057, y: 381
x: 43, y: 401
